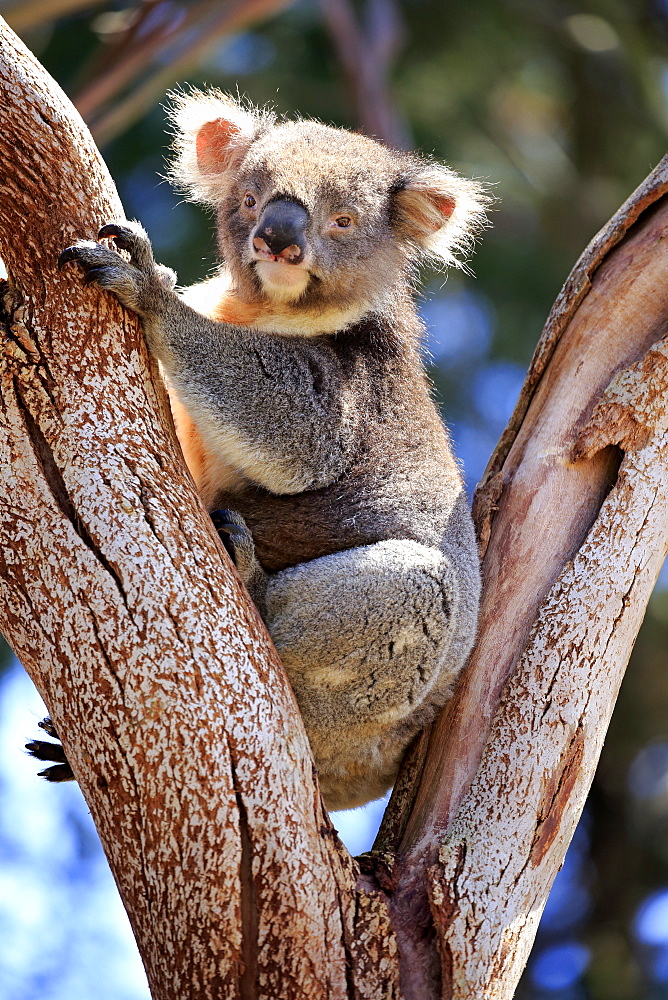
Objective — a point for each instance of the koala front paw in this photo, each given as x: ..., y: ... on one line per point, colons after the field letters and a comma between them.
x: 139, y: 282
x: 235, y: 536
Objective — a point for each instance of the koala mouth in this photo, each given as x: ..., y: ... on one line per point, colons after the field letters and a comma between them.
x: 283, y: 276
x: 291, y: 254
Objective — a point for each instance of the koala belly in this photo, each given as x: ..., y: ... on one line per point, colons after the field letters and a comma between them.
x: 372, y: 639
x: 208, y: 468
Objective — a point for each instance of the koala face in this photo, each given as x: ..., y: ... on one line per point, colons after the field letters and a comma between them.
x: 311, y: 215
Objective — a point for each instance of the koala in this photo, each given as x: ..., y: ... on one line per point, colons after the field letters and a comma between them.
x: 306, y: 417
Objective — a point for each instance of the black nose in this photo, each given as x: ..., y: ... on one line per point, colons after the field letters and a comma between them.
x: 283, y: 224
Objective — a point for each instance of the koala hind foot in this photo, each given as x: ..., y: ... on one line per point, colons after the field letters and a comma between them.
x: 235, y: 535
x: 44, y: 751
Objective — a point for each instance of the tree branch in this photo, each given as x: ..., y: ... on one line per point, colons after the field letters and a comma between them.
x: 574, y: 525
x: 365, y: 50
x: 26, y: 14
x: 169, y: 51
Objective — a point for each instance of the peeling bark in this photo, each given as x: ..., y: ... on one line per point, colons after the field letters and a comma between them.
x: 573, y: 522
x: 172, y: 704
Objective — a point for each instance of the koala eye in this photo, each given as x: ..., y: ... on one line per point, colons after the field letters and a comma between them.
x: 249, y: 200
x: 340, y: 222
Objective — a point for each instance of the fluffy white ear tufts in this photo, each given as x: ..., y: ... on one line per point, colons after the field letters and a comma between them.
x: 441, y: 212
x: 212, y: 132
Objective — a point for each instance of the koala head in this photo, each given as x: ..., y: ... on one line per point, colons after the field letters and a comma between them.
x: 314, y: 215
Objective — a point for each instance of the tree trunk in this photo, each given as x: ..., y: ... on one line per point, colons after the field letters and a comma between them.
x: 172, y: 705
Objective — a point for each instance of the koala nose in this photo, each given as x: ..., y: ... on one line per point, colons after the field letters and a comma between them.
x: 282, y: 230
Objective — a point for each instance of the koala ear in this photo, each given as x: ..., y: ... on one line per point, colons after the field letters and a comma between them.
x: 440, y: 212
x: 212, y: 132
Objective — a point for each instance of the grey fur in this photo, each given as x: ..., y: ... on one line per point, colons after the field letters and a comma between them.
x: 359, y: 548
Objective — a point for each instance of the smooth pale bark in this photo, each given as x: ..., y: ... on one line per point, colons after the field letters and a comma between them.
x: 172, y: 705
x: 573, y: 520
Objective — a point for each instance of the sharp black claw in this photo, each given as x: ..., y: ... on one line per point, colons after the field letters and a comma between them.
x: 48, y: 727
x: 119, y: 234
x: 227, y: 530
x: 221, y: 522
x: 71, y: 253
x: 53, y: 752
x: 222, y: 518
x: 46, y: 751
x: 234, y: 530
x: 110, y: 229
x: 59, y: 772
x: 93, y: 275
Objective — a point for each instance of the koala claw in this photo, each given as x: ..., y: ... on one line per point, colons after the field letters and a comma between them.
x: 124, y: 236
x: 236, y: 536
x: 72, y: 253
x: 90, y: 255
x: 231, y: 533
x: 60, y: 770
x: 139, y: 283
x: 95, y: 274
x: 48, y: 727
x: 133, y: 239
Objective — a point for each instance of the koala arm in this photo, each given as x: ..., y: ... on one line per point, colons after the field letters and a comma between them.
x: 276, y: 408
x: 270, y: 406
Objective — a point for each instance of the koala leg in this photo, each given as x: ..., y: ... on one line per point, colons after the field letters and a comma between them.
x: 237, y: 539
x: 372, y: 639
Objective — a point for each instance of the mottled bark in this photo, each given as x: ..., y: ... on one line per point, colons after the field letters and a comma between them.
x: 171, y: 702
x: 172, y: 705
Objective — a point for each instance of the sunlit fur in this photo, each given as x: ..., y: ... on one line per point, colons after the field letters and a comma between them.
x: 403, y: 209
x: 304, y: 411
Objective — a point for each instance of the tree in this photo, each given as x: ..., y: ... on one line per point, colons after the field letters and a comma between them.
x: 171, y: 703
